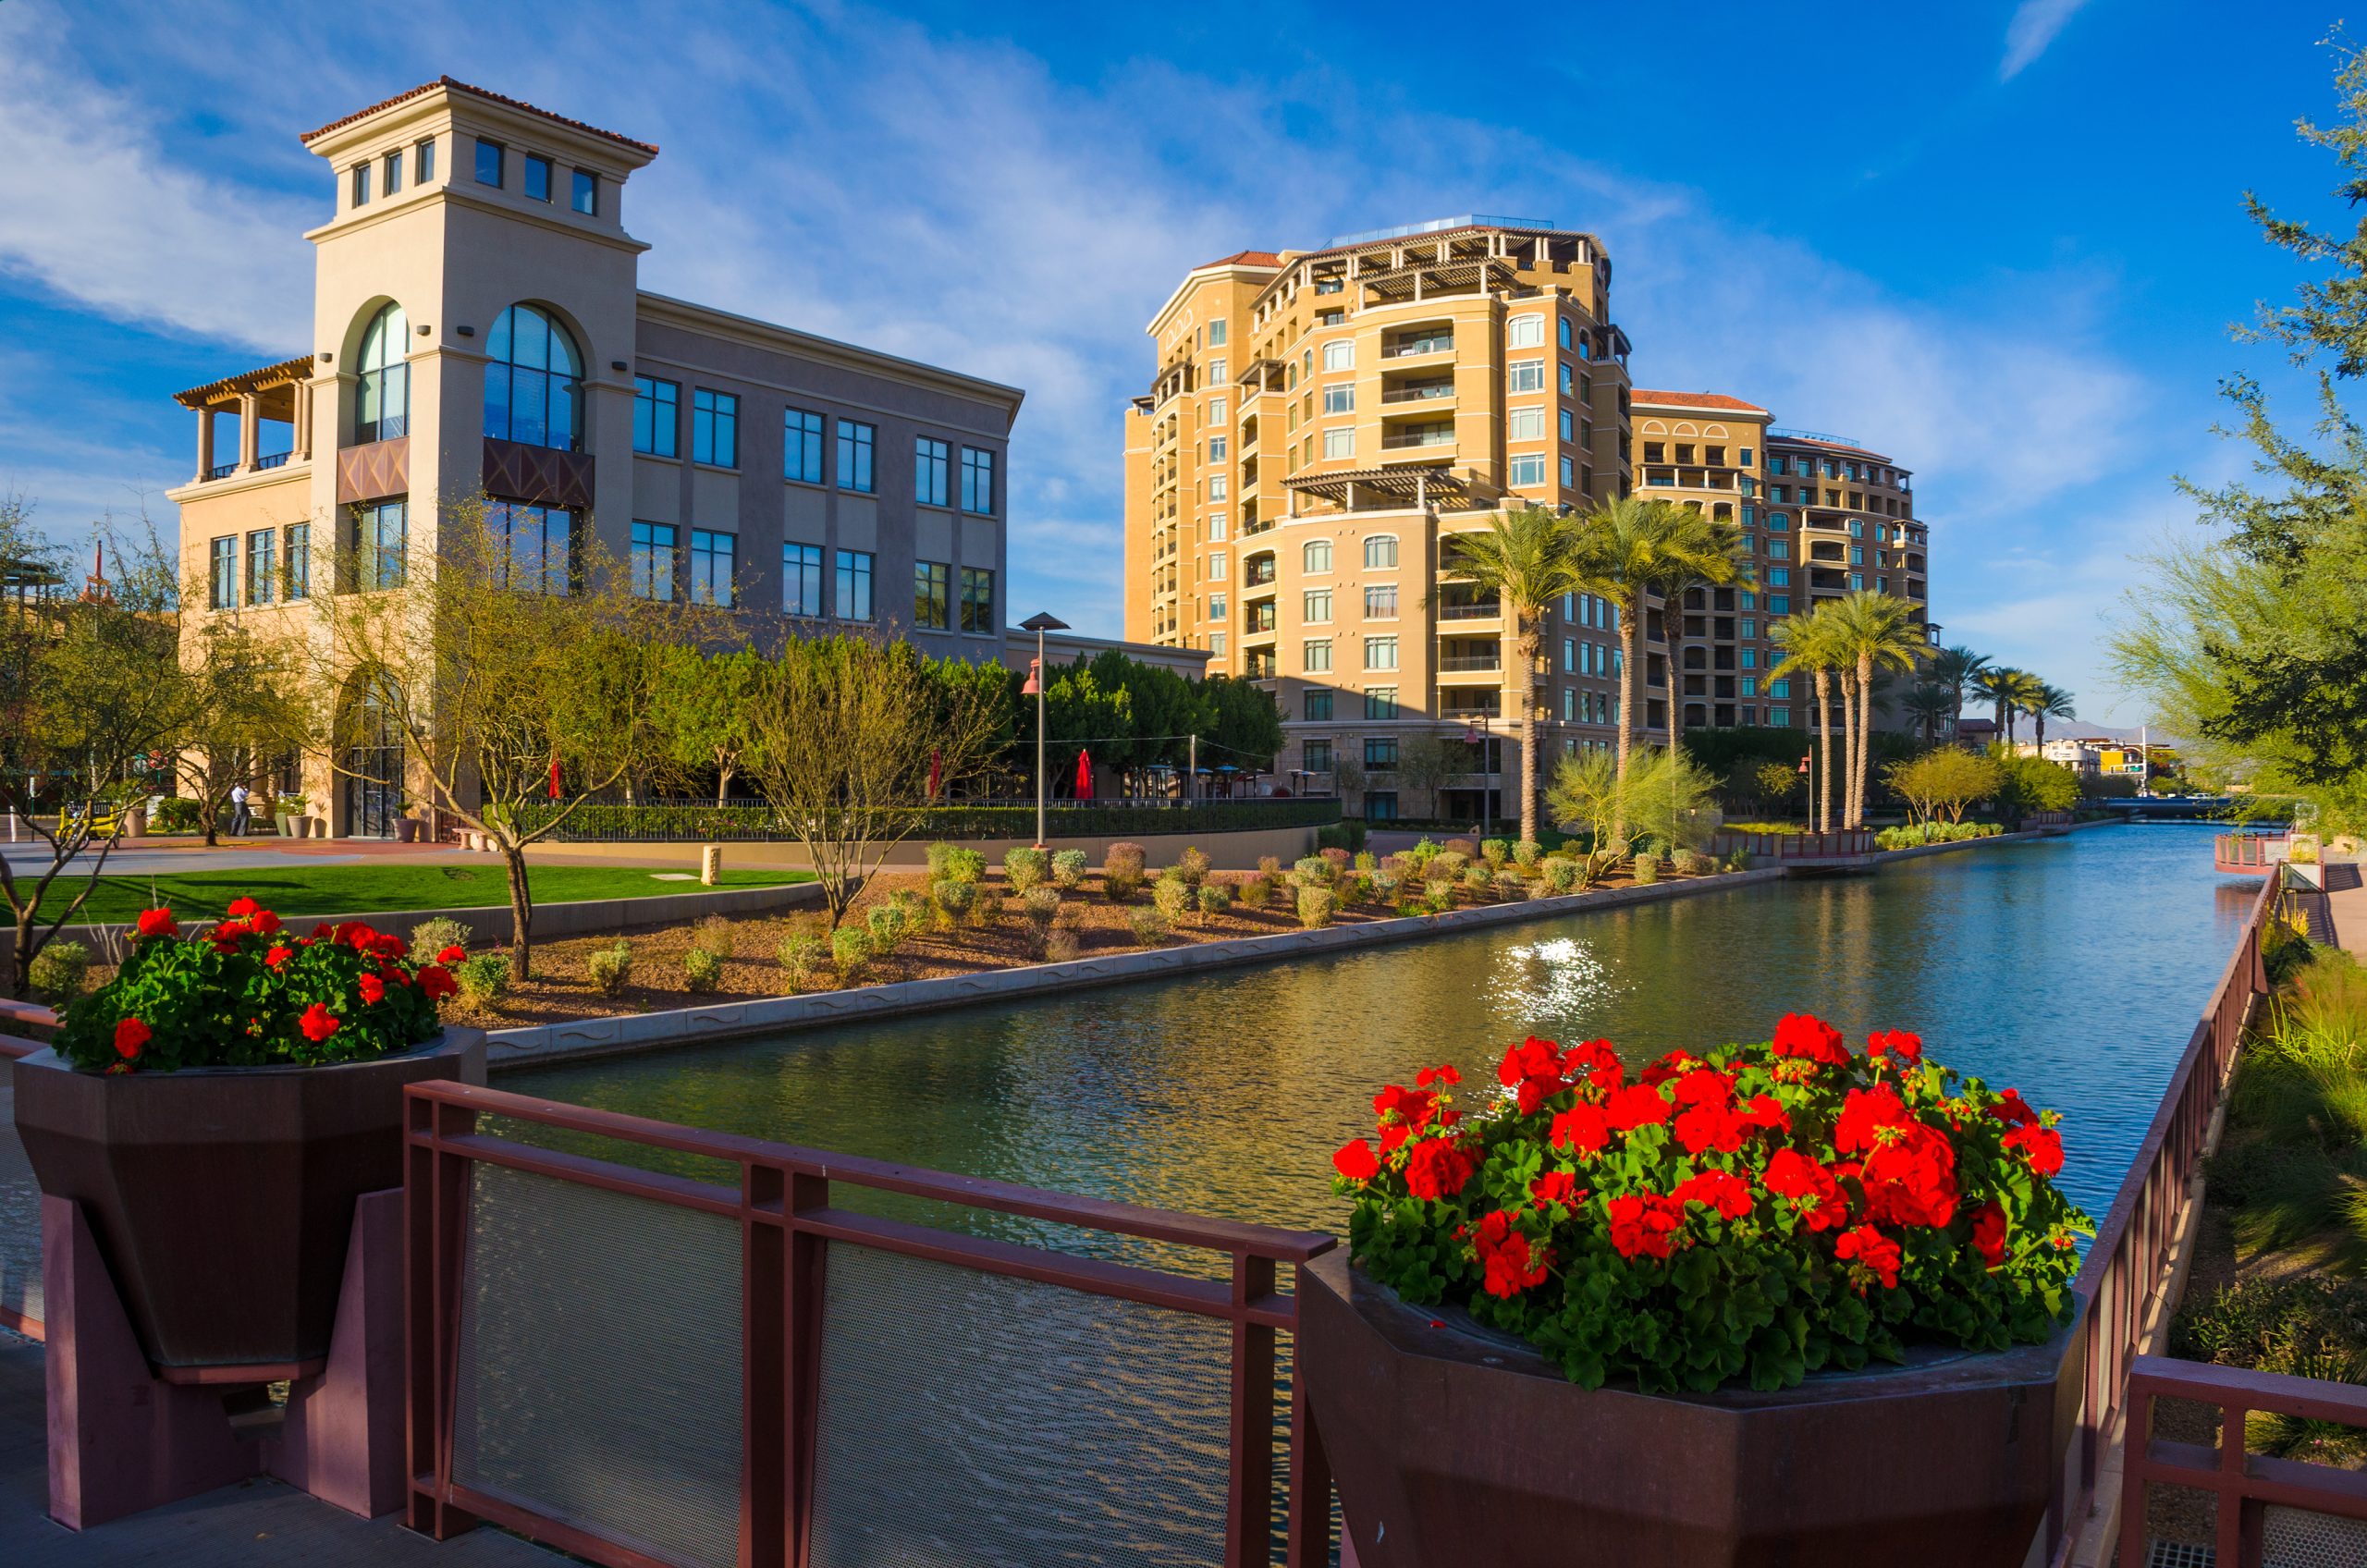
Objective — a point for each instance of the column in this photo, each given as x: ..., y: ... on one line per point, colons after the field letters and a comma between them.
x: 302, y: 439
x: 250, y: 429
x: 204, y: 442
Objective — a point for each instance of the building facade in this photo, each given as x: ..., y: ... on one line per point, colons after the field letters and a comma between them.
x: 479, y: 330
x: 1822, y: 517
x: 1319, y: 423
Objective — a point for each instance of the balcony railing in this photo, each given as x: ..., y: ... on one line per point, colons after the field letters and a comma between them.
x: 1413, y: 345
x: 1429, y: 394
x: 1417, y: 438
x: 1485, y: 609
x: 221, y: 470
x: 1459, y: 664
x: 276, y: 459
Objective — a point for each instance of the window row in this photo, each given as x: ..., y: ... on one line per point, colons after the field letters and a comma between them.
x: 713, y: 579
x: 1380, y: 702
x: 277, y: 565
x: 388, y: 170
x: 714, y: 440
x: 538, y: 180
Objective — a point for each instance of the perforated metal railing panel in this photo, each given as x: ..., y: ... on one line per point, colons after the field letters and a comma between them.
x: 975, y: 1420
x: 19, y: 1214
x: 599, y: 1362
x: 2295, y: 1538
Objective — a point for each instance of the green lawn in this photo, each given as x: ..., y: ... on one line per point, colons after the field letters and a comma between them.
x: 360, y: 890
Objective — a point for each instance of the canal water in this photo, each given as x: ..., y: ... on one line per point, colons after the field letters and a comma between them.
x: 969, y: 1418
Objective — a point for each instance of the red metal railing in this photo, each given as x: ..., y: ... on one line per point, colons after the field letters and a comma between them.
x: 782, y: 1205
x: 23, y: 1015
x: 2246, y: 854
x: 1834, y: 845
x: 2122, y: 1280
x: 2243, y: 1486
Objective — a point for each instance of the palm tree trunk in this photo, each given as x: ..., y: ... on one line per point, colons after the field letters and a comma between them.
x: 1525, y: 648
x: 1628, y: 680
x: 1864, y: 730
x: 1824, y: 751
x: 1848, y: 744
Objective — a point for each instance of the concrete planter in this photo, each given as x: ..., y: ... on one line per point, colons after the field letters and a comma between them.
x: 1453, y: 1446
x: 222, y: 1198
x: 291, y: 824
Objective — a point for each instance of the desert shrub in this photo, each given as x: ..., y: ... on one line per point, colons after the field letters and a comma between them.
x: 717, y: 935
x: 702, y: 969
x: 1257, y: 893
x: 1527, y: 854
x: 1497, y: 852
x: 1738, y: 861
x: 611, y: 968
x: 1192, y: 865
x: 965, y: 866
x: 1269, y: 866
x: 1440, y: 897
x: 1023, y: 867
x: 484, y: 980
x: 1693, y: 862
x: 987, y: 908
x: 936, y: 854
x: 849, y: 952
x: 1647, y: 867
x: 1464, y: 847
x: 1366, y: 861
x: 1314, y: 871
x: 1315, y: 907
x: 1912, y: 834
x: 1061, y: 945
x: 1040, y: 906
x: 1561, y: 873
x: 1386, y: 886
x: 59, y: 970
x: 1478, y: 879
x: 1447, y: 866
x: 1422, y: 854
x: 1216, y: 898
x: 1121, y: 870
x: 1068, y: 867
x: 1510, y: 883
x: 1337, y: 859
x: 1355, y: 889
x: 803, y: 957
x: 431, y: 938
x: 886, y: 925
x: 954, y: 899
x: 1172, y: 897
x: 1149, y: 926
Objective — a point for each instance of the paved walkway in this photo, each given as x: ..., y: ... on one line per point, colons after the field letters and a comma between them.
x: 2346, y: 903
x: 262, y: 1524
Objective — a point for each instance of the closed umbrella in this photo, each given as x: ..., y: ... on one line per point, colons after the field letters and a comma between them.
x: 554, y: 778
x: 1084, y: 776
x: 936, y: 772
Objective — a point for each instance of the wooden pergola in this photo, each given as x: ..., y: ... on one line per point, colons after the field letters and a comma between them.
x: 267, y: 392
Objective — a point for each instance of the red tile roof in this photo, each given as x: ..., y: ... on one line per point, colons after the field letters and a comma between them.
x: 1243, y: 259
x: 1695, y: 400
x: 310, y: 136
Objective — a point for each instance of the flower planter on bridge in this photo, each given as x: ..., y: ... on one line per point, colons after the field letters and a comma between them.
x: 222, y: 1198
x: 1455, y: 1445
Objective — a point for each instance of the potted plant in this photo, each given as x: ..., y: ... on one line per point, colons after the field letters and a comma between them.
x: 407, y: 828
x: 217, y: 1108
x: 289, y: 811
x: 1783, y: 1302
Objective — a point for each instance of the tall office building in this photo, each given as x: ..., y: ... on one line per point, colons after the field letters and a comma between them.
x: 1319, y: 422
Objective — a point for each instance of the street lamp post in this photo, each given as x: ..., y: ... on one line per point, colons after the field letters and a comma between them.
x: 1039, y: 623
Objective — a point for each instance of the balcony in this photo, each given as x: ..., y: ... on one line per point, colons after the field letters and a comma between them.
x: 276, y: 396
x: 1418, y: 345
x: 1481, y: 610
x: 1465, y: 706
x: 1439, y: 390
x: 1419, y: 437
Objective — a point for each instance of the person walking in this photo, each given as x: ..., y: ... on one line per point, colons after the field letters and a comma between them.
x: 239, y: 809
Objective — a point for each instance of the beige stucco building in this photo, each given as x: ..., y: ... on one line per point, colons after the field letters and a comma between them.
x: 1319, y: 422
x: 479, y: 327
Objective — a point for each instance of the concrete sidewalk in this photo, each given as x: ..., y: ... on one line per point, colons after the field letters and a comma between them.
x: 2346, y: 889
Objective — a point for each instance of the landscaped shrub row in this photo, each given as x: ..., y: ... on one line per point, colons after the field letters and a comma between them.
x: 756, y: 822
x: 1914, y: 834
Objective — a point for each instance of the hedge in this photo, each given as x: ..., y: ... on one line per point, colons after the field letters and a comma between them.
x: 756, y: 823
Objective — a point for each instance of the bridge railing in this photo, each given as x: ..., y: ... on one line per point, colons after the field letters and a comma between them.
x: 20, y: 1294
x: 750, y: 1356
x: 2122, y: 1285
x: 1839, y: 843
x: 2249, y: 851
x: 2267, y: 1509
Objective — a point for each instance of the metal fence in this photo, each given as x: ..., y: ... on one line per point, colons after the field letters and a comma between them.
x: 20, y: 1294
x: 1841, y: 842
x: 643, y: 1368
x: 2269, y: 1511
x: 757, y: 822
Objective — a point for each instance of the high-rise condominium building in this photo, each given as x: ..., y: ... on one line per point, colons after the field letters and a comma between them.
x: 1319, y: 422
x: 479, y: 329
x: 1823, y: 516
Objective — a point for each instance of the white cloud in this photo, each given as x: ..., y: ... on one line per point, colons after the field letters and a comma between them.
x: 2034, y: 25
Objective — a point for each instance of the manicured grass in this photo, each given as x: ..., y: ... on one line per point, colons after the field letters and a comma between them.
x: 360, y: 890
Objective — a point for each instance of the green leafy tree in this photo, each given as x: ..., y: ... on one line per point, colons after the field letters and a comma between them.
x: 700, y: 711
x: 2049, y: 702
x: 1957, y: 670
x: 1929, y: 704
x: 1430, y: 761
x: 1811, y: 644
x: 1945, y: 782
x: 1875, y: 633
x: 2034, y: 784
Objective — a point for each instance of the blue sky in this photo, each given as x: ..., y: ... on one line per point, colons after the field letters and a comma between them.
x: 2001, y: 241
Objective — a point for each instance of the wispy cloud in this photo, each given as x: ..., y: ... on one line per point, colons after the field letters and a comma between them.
x: 2035, y: 25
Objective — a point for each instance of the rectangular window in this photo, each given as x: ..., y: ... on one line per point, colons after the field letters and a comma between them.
x: 714, y: 566
x: 1526, y: 471
x: 1525, y: 375
x: 801, y: 446
x: 1318, y: 705
x: 1780, y: 688
x: 1316, y: 756
x: 1340, y: 399
x: 377, y: 541
x: 1381, y: 653
x: 1380, y: 601
x: 300, y: 560
x: 932, y: 595
x: 1340, y: 354
x: 652, y: 561
x: 1779, y: 549
x: 1779, y: 604
x: 1750, y: 658
x: 1220, y: 487
x: 1569, y: 656
x: 1569, y: 427
x: 1779, y: 719
x: 932, y: 471
x: 1569, y: 475
x: 1217, y: 369
x: 854, y: 587
x: 391, y: 173
x: 1564, y: 338
x: 422, y: 163
x: 1525, y: 332
x: 1218, y: 449
x: 539, y: 554
x: 1339, y: 443
x: 1216, y: 334
x: 222, y: 573
x: 1779, y: 577
x: 715, y: 428
x: 856, y: 440
x: 1380, y: 702
x: 1856, y: 583
x: 1569, y: 381
x: 978, y: 599
x: 801, y: 579
x: 1217, y: 522
x: 657, y: 421
x: 491, y: 161
x: 263, y: 571
x: 1751, y: 685
x: 979, y: 478
x: 1857, y: 554
x: 1525, y: 424
x: 361, y: 185
x: 1381, y: 552
x: 1217, y: 640
x: 1380, y: 752
x: 585, y: 197
x: 1315, y: 604
x: 1314, y: 656
x: 1380, y: 805
x: 538, y: 178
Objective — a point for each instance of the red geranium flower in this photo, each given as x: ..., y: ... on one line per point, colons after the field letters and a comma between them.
x: 2042, y: 1146
x: 1437, y: 1170
x: 1356, y: 1160
x: 278, y: 955
x: 1597, y: 1063
x: 1812, y: 1039
x: 1504, y: 1253
x: 243, y: 907
x: 438, y: 983
x: 372, y: 990
x: 454, y: 954
x: 1812, y: 1190
x: 158, y: 923
x: 1557, y: 1186
x: 1988, y: 1234
x: 2011, y: 1109
x: 1582, y: 1129
x: 1911, y: 1180
x: 1645, y: 1224
x: 1872, y: 1252
x: 1721, y: 1189
x: 318, y: 1024
x: 1638, y: 1106
x: 1897, y: 1045
x: 1869, y: 1118
x: 130, y: 1038
x: 1445, y: 1073
x: 1398, y: 1105
x: 264, y: 923
x: 1766, y: 1111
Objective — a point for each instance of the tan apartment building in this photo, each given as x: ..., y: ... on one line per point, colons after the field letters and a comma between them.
x: 1319, y: 422
x: 1823, y: 515
x: 479, y: 329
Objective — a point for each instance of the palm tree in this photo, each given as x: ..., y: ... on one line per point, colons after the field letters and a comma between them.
x: 1929, y: 701
x: 2050, y: 702
x: 1958, y: 669
x: 1874, y: 629
x: 1623, y: 549
x: 1528, y: 559
x: 1810, y: 645
x: 1997, y: 683
x: 1709, y: 552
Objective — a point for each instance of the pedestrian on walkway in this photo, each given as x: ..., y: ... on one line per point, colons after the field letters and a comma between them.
x: 239, y: 809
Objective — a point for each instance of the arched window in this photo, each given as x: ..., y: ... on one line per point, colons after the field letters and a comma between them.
x: 1380, y: 550
x: 532, y: 381
x: 382, y: 398
x: 1317, y: 557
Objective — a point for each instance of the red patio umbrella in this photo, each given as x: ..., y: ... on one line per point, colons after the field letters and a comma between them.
x: 936, y: 771
x: 1084, y: 776
x: 554, y: 778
